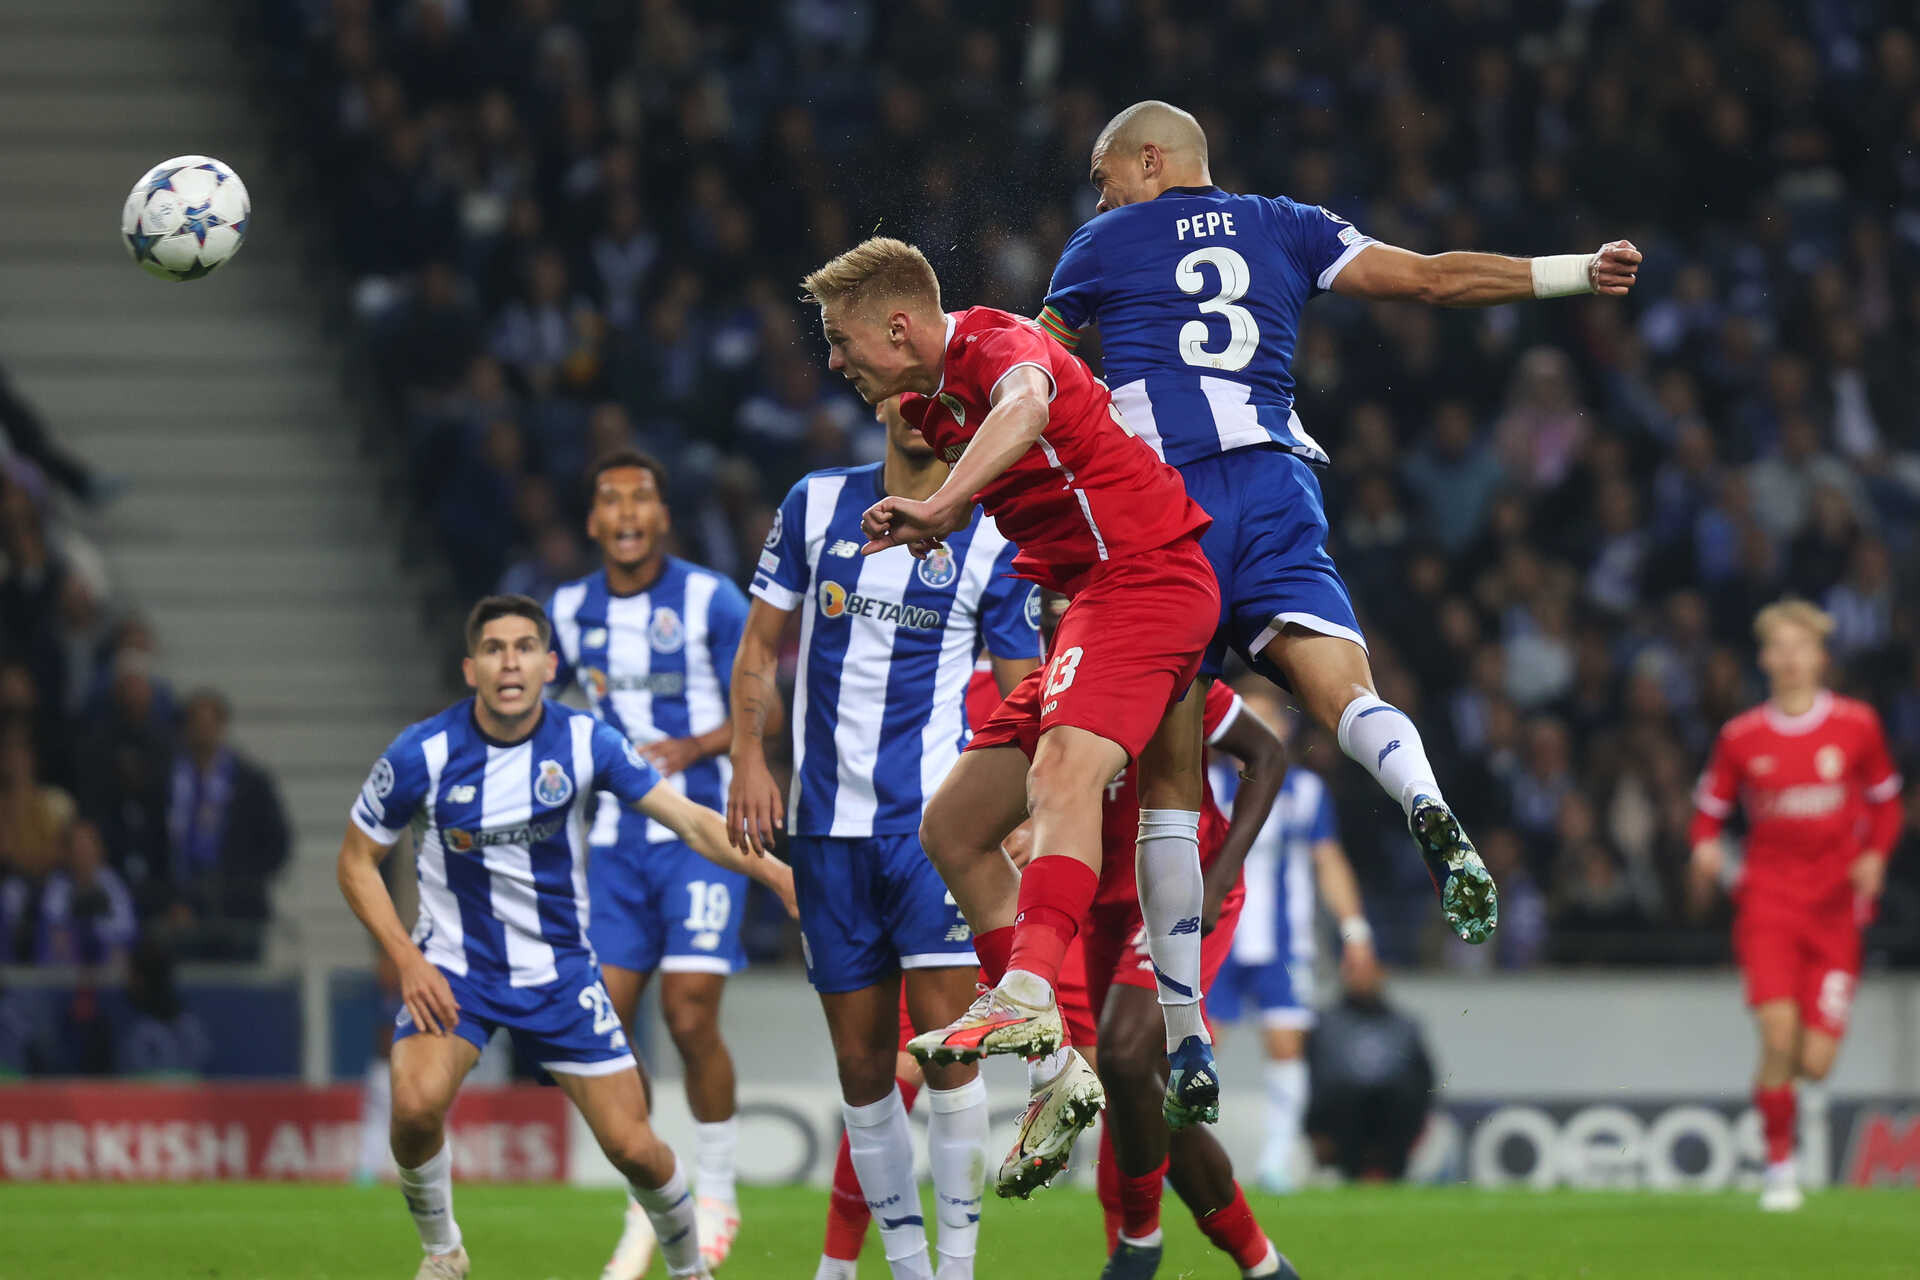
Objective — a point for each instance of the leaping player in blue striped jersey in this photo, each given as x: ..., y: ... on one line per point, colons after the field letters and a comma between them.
x: 887, y: 647
x: 1198, y: 294
x: 498, y: 786
x: 650, y: 640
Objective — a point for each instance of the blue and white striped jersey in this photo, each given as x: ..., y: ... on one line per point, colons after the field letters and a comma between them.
x: 1276, y: 919
x: 503, y: 846
x: 887, y: 645
x: 1198, y: 297
x: 655, y: 665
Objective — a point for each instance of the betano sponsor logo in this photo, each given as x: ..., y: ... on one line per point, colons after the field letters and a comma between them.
x: 838, y: 602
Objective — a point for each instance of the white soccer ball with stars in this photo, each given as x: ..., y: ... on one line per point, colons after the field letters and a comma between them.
x: 185, y: 217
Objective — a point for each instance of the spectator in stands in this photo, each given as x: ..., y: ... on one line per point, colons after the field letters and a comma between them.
x: 162, y: 1037
x: 127, y: 747
x: 86, y: 910
x: 34, y: 821
x: 24, y: 435
x: 226, y: 839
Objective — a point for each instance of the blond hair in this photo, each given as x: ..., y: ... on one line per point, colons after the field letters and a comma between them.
x: 880, y: 268
x: 1794, y: 611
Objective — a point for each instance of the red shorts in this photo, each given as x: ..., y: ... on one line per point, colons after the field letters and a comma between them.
x: 1070, y: 989
x: 1115, y: 941
x: 1811, y: 958
x: 1128, y: 647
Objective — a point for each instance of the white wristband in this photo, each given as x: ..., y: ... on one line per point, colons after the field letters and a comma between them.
x: 1563, y: 275
x: 1355, y: 929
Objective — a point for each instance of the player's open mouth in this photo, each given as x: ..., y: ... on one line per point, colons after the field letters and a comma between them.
x: 629, y: 543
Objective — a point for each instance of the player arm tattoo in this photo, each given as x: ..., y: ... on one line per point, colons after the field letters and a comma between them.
x: 756, y: 705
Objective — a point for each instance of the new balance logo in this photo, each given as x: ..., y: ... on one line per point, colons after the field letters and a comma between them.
x: 460, y: 795
x: 1190, y: 925
x: 1386, y: 751
x: 845, y: 548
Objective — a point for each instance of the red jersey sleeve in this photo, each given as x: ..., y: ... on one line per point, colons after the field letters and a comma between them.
x: 992, y: 354
x: 1880, y: 785
x: 1222, y: 709
x: 1714, y: 796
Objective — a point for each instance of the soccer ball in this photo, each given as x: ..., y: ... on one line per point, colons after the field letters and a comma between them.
x: 185, y: 217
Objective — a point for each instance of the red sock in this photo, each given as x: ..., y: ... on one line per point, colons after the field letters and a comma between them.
x: 1234, y: 1232
x: 847, y: 1212
x: 993, y: 947
x: 1055, y: 894
x: 1140, y: 1202
x: 1776, y: 1121
x: 1107, y: 1182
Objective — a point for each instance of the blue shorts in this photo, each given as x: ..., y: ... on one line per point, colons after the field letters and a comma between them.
x: 663, y: 906
x: 1278, y: 990
x: 870, y: 907
x: 568, y: 1026
x: 1268, y: 546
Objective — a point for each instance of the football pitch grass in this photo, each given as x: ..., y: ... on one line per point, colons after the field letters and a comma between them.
x: 283, y: 1232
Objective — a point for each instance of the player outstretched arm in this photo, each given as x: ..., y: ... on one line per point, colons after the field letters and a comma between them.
x: 705, y: 832
x: 1016, y: 421
x: 1263, y: 767
x: 423, y: 988
x: 1383, y: 273
x: 755, y: 807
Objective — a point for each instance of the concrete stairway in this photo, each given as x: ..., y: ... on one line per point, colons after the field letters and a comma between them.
x: 251, y: 533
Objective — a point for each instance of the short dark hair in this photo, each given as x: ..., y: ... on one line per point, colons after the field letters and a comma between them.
x: 506, y: 607
x: 615, y: 459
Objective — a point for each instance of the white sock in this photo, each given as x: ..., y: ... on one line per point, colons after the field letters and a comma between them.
x: 1267, y: 1266
x: 881, y: 1144
x: 836, y: 1269
x: 1027, y: 987
x: 1381, y: 738
x: 376, y: 1118
x: 1146, y: 1241
x: 1166, y: 867
x: 429, y: 1193
x: 714, y: 1149
x: 1044, y: 1070
x: 1286, y: 1108
x: 669, y: 1207
x: 957, y: 1150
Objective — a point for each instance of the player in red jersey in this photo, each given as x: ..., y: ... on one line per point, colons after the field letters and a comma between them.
x: 1032, y: 435
x: 1822, y: 801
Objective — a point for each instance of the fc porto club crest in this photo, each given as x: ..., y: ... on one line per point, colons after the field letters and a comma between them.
x: 937, y: 569
x: 666, y: 631
x: 554, y: 787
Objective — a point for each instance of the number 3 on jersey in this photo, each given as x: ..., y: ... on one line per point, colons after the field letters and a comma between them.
x: 1243, y: 335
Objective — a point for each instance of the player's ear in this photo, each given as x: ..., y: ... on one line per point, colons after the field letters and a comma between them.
x: 553, y: 666
x: 466, y: 669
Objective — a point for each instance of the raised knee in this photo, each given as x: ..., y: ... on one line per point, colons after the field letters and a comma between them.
x: 691, y: 1021
x: 412, y: 1111
x: 632, y: 1150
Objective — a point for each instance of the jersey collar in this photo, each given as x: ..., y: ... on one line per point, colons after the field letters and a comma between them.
x: 1806, y: 721
x: 1188, y: 191
x: 952, y: 324
x: 473, y: 719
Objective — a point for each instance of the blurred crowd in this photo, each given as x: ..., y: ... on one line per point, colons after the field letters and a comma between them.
x: 128, y: 826
x: 564, y: 226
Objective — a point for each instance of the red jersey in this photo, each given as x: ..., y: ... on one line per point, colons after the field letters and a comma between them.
x: 983, y: 694
x: 1120, y: 815
x: 1089, y: 490
x: 1817, y: 788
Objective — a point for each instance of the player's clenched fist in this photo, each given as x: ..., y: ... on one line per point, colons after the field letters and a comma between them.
x: 919, y: 526
x: 1613, y: 269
